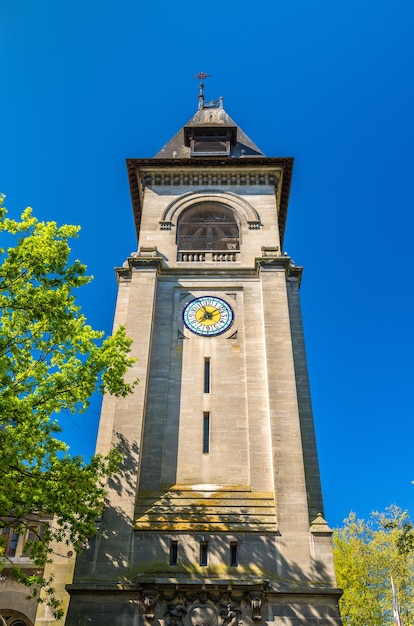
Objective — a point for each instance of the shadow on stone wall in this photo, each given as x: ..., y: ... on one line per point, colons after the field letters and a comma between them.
x: 124, y: 571
x: 119, y: 553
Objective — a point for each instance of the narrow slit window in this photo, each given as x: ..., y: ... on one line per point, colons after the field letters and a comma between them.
x: 173, y: 552
x: 206, y: 375
x: 204, y: 553
x: 234, y: 554
x: 206, y: 433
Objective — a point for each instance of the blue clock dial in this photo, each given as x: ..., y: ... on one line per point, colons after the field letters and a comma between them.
x: 208, y: 316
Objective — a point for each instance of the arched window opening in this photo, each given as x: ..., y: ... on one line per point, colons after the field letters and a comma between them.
x: 208, y: 226
x: 13, y: 618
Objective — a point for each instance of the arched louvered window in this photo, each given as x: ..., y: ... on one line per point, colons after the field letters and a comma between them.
x: 10, y: 617
x: 208, y: 226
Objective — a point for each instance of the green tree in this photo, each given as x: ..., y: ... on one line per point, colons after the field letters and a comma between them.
x: 367, y: 553
x: 51, y: 360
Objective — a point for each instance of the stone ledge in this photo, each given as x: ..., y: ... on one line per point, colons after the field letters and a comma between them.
x: 272, y: 588
x: 201, y: 508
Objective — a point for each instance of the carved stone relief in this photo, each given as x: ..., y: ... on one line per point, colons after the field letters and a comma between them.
x: 201, y: 609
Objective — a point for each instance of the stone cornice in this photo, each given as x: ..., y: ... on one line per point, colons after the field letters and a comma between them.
x: 146, y: 259
x: 149, y: 260
x: 177, y: 584
x: 266, y: 263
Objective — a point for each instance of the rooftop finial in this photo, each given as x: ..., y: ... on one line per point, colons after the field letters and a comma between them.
x: 201, y: 77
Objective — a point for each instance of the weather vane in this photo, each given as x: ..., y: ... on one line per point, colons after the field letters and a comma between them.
x: 201, y: 77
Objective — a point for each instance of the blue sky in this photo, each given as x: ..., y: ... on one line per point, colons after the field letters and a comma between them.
x: 87, y: 84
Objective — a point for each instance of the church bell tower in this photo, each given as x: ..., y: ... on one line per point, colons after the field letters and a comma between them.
x: 216, y: 515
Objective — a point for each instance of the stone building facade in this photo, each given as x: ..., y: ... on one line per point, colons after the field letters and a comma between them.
x: 216, y: 516
x: 17, y: 608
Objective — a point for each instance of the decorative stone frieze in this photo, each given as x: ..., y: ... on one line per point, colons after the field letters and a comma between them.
x: 256, y: 607
x: 212, y: 606
x: 193, y: 178
x: 149, y: 602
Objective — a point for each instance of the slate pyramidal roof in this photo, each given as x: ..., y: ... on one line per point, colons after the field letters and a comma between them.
x: 211, y: 116
x: 209, y: 138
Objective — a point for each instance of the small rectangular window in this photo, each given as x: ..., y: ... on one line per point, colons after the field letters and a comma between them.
x: 234, y: 555
x: 34, y: 533
x: 173, y: 552
x: 204, y: 553
x: 11, y: 539
x: 206, y: 433
x: 206, y: 375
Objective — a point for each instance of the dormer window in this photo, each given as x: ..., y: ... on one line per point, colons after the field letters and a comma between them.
x: 210, y: 141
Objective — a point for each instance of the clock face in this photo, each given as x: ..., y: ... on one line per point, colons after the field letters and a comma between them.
x: 208, y: 316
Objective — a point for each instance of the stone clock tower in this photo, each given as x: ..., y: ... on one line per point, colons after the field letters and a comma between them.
x: 216, y: 516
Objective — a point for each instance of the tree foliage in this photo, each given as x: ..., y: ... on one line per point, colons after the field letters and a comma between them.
x: 51, y: 361
x: 367, y: 553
